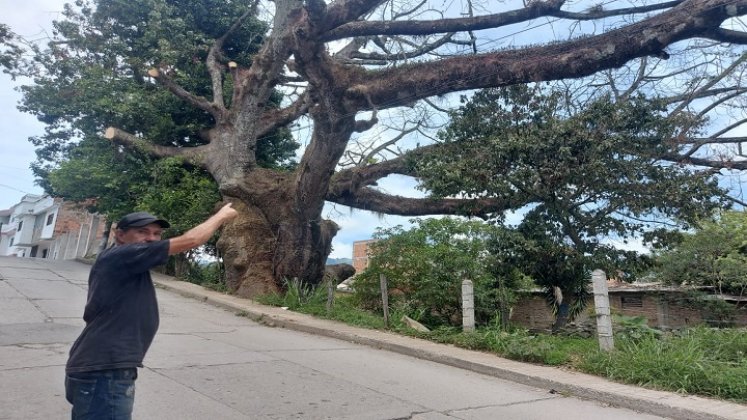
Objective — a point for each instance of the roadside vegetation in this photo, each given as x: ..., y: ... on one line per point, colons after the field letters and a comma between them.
x: 701, y: 361
x: 704, y: 361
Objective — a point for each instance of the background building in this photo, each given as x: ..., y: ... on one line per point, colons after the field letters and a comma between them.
x: 44, y: 227
x: 361, y: 254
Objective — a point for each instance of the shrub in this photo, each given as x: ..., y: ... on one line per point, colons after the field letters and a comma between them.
x: 425, y: 267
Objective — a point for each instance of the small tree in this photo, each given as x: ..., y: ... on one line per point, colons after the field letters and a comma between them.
x: 425, y: 267
x: 714, y: 255
x: 507, y: 255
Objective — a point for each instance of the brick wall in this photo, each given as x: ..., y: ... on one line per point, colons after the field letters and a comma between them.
x: 70, y: 217
x: 361, y: 254
x: 531, y: 311
x: 662, y: 309
x: 72, y: 235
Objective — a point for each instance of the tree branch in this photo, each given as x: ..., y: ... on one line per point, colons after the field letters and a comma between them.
x: 722, y: 140
x: 343, y: 11
x: 348, y: 181
x: 196, y: 101
x: 410, y: 27
x: 600, y: 13
x: 572, y: 59
x: 733, y: 91
x: 372, y: 200
x: 214, y: 68
x: 276, y: 118
x: 705, y: 88
x: 191, y: 154
x: 422, y: 50
x: 726, y: 35
x: 378, y: 149
x: 707, y: 163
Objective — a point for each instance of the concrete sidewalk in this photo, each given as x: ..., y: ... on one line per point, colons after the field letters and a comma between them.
x: 580, y: 385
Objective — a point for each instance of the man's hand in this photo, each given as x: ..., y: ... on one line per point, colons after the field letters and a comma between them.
x: 227, y: 213
x: 201, y: 233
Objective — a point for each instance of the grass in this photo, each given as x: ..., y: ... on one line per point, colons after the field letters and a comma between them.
x: 701, y: 361
x: 315, y: 303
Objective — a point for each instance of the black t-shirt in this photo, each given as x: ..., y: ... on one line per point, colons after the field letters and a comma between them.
x: 121, y: 313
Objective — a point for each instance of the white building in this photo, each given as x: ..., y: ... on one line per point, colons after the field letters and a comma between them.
x: 44, y: 227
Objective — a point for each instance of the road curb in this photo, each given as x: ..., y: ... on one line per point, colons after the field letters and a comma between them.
x: 555, y: 380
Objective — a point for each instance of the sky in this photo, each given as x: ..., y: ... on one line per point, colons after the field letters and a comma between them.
x: 31, y: 20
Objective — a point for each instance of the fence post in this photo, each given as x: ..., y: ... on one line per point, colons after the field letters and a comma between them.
x: 384, y: 298
x: 602, y: 310
x: 468, y: 306
x: 330, y: 293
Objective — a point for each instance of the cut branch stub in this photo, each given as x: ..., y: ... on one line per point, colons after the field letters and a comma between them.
x: 154, y: 73
x: 232, y: 65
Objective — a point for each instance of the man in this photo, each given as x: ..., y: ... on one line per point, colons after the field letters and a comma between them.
x: 121, y: 314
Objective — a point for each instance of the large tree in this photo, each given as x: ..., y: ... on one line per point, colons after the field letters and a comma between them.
x: 117, y: 67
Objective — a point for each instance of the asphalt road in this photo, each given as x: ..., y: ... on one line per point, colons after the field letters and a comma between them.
x: 209, y: 363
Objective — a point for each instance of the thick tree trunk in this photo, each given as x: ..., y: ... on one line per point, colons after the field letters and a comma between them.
x: 263, y: 253
x: 562, y: 317
x: 247, y: 245
x: 302, y: 250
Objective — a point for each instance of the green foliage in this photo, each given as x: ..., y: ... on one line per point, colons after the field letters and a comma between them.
x: 582, y: 173
x: 10, y: 50
x: 207, y: 275
x: 93, y: 75
x: 121, y: 183
x: 633, y: 328
x: 96, y: 171
x: 714, y: 255
x: 425, y: 267
x: 187, y: 196
x: 516, y: 344
x: 699, y: 361
x: 702, y: 361
x: 552, y: 264
x: 297, y: 295
x: 313, y: 301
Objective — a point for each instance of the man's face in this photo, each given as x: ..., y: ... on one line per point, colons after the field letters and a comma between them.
x: 139, y: 235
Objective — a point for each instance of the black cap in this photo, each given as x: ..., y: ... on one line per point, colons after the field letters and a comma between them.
x: 140, y: 219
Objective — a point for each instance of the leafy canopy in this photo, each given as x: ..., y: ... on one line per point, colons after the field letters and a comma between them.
x: 586, y: 172
x: 93, y: 75
x: 715, y: 254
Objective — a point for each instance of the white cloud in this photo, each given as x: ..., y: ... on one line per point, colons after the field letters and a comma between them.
x: 341, y: 249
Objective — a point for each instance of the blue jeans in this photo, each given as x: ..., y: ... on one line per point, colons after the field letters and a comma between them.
x: 101, y: 395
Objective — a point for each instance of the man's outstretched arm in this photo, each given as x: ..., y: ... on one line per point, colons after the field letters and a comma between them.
x: 201, y: 233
